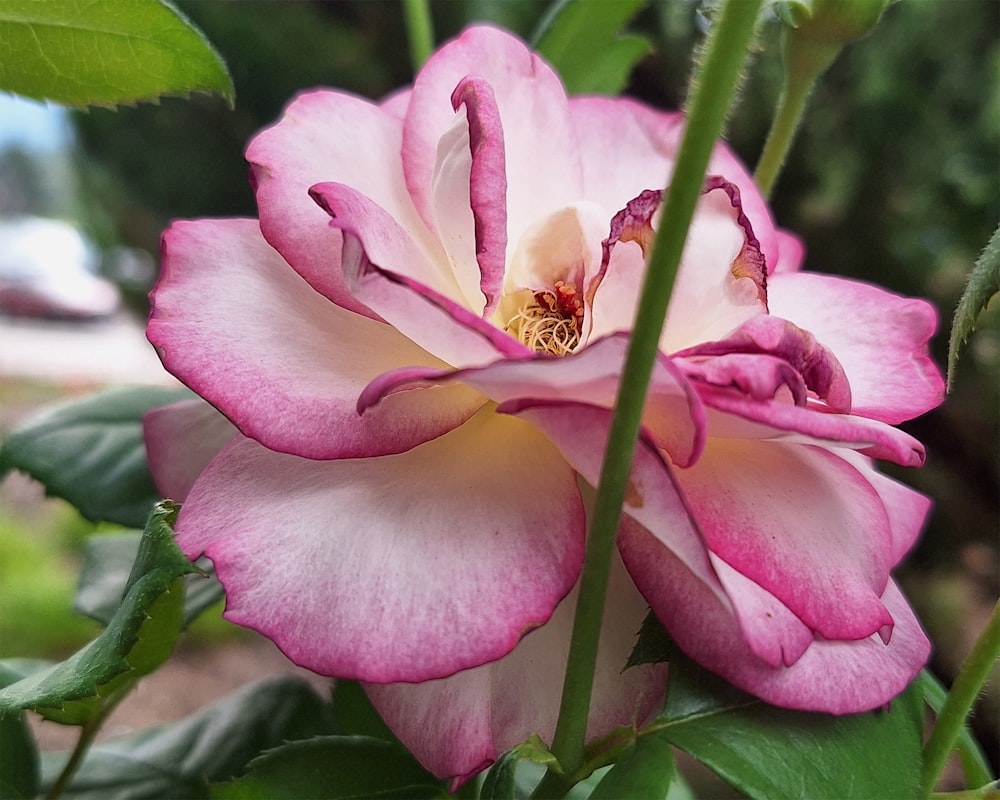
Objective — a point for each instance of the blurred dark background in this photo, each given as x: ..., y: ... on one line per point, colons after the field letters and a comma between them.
x: 895, y: 178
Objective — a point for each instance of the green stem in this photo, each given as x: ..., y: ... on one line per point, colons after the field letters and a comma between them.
x: 419, y: 31
x: 971, y: 678
x: 87, y: 733
x: 803, y: 66
x: 713, y: 88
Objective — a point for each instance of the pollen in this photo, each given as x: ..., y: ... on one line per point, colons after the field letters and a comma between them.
x: 550, y: 322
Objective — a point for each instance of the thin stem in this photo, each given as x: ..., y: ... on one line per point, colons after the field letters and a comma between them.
x: 87, y: 733
x: 971, y: 678
x: 419, y: 31
x: 714, y: 86
x: 803, y: 66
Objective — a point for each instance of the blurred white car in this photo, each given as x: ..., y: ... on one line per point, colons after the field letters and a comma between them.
x: 47, y: 270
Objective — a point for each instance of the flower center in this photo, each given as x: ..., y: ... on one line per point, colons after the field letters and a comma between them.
x: 550, y: 321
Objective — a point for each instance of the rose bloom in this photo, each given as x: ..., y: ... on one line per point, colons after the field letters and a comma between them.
x: 416, y: 350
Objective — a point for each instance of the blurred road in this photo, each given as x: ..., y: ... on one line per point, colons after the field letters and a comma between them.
x: 111, y: 351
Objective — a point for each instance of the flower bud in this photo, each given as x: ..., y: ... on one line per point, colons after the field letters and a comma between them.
x: 831, y: 22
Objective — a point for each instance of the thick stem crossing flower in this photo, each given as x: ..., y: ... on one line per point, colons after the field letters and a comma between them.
x: 416, y: 349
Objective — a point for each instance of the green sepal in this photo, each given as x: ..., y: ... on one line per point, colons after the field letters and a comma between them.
x: 107, y: 565
x: 105, y: 52
x: 90, y: 452
x: 653, y: 644
x: 333, y: 768
x: 581, y: 39
x: 139, y: 638
x: 983, y: 285
x: 499, y: 783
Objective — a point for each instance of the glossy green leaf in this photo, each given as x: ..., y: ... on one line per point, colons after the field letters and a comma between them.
x: 581, y: 39
x: 179, y: 760
x: 645, y: 770
x: 104, y: 52
x: 499, y: 783
x: 19, y: 768
x: 984, y: 284
x: 90, y: 452
x: 107, y: 564
x: 333, y: 768
x: 772, y: 753
x: 138, y: 639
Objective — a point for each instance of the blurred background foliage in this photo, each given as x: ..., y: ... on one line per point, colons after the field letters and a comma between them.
x: 895, y: 178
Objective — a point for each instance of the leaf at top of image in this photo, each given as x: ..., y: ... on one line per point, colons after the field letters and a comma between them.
x: 105, y: 52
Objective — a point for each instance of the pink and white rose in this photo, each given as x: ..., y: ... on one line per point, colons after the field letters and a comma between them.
x: 415, y: 351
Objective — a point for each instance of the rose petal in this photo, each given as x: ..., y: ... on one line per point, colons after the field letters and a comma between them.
x: 673, y: 416
x: 745, y: 417
x: 374, y: 245
x: 400, y: 568
x: 800, y: 522
x: 543, y: 173
x: 329, y: 136
x: 181, y: 439
x: 837, y: 677
x: 458, y: 725
x: 280, y: 360
x: 879, y: 338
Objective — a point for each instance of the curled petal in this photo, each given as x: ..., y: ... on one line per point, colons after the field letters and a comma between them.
x: 777, y: 337
x: 279, y: 359
x: 744, y: 417
x: 532, y: 108
x: 881, y: 340
x: 456, y: 726
x: 400, y: 568
x: 181, y: 439
x: 375, y: 250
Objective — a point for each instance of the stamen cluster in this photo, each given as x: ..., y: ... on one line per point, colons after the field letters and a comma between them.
x: 551, y: 321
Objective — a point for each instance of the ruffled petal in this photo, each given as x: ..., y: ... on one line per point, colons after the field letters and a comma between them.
x: 800, y: 522
x: 329, y: 136
x: 673, y: 416
x: 837, y: 677
x: 880, y: 338
x: 181, y: 439
x: 279, y: 359
x: 543, y: 172
x: 459, y: 725
x: 375, y: 250
x: 401, y: 568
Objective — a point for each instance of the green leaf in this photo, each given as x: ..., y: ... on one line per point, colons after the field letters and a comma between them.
x: 19, y: 769
x: 333, y: 768
x: 644, y: 771
x: 773, y: 753
x: 91, y: 453
x: 138, y: 639
x: 181, y: 759
x: 580, y: 39
x: 984, y: 283
x: 499, y: 783
x: 107, y: 564
x: 104, y: 52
